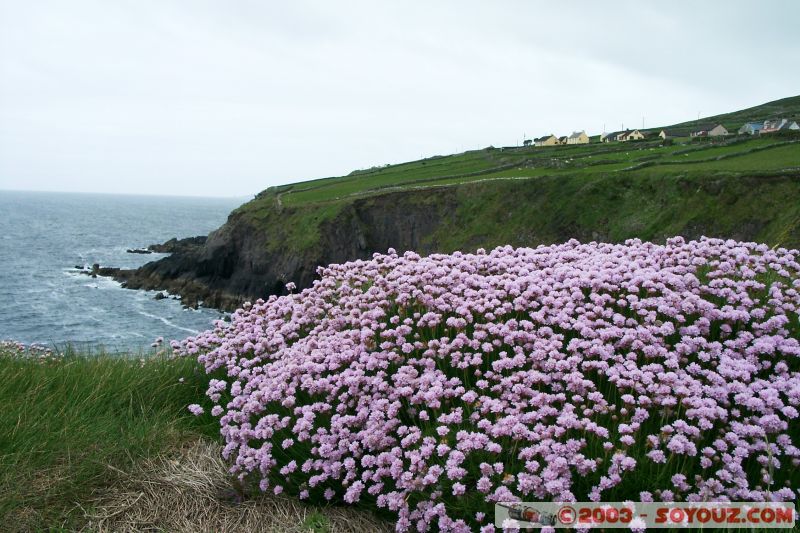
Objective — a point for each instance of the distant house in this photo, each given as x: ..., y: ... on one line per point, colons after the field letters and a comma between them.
x: 623, y: 135
x: 635, y: 135
x: 562, y: 140
x: 547, y: 140
x: 779, y: 124
x: 609, y: 137
x: 578, y: 137
x: 527, y: 142
x: 708, y: 130
x: 773, y: 125
x: 672, y: 134
x: 750, y: 128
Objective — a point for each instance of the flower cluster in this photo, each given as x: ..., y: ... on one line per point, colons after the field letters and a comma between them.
x: 39, y: 352
x: 434, y: 386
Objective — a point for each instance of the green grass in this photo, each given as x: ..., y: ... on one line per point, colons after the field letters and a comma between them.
x: 317, y: 523
x: 776, y: 157
x: 585, y: 160
x: 614, y: 208
x: 756, y: 155
x: 745, y: 188
x: 69, y: 427
x: 716, y: 150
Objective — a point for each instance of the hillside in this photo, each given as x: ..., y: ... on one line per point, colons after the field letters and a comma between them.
x: 739, y: 187
x: 783, y: 108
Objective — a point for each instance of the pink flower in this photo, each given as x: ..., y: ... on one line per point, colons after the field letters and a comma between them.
x: 524, y: 371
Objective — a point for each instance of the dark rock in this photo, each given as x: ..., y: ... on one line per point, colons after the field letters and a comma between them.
x: 178, y: 245
x: 110, y: 272
x: 159, y: 296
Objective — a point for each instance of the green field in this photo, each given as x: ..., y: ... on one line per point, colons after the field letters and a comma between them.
x: 294, y: 213
x: 591, y: 159
x: 734, y: 153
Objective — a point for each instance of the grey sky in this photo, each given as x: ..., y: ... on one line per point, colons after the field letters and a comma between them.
x: 227, y: 98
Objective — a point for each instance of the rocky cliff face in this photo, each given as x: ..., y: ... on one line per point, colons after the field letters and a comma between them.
x: 240, y: 261
x: 259, y: 249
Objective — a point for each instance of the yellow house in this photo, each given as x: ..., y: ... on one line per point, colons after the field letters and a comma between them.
x: 635, y: 135
x: 578, y: 137
x: 547, y: 140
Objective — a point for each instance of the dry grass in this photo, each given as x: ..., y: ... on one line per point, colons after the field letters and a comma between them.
x: 191, y: 491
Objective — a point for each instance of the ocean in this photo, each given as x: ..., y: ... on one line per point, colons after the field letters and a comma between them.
x: 44, y: 236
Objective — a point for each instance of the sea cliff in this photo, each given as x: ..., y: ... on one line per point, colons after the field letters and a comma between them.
x: 264, y: 244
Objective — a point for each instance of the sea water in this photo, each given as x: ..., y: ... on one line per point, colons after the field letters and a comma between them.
x: 45, y: 299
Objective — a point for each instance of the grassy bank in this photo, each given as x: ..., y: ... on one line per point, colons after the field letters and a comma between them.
x: 102, y: 442
x: 70, y: 426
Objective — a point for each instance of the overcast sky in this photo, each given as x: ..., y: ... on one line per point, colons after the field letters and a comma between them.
x: 223, y: 98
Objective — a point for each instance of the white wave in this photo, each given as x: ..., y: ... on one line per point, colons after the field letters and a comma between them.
x: 168, y: 323
x: 100, y: 282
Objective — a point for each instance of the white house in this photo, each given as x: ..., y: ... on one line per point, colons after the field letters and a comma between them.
x: 779, y: 124
x: 750, y: 128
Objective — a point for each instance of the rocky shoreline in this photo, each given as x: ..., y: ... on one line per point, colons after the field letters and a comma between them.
x: 241, y: 262
x: 147, y: 277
